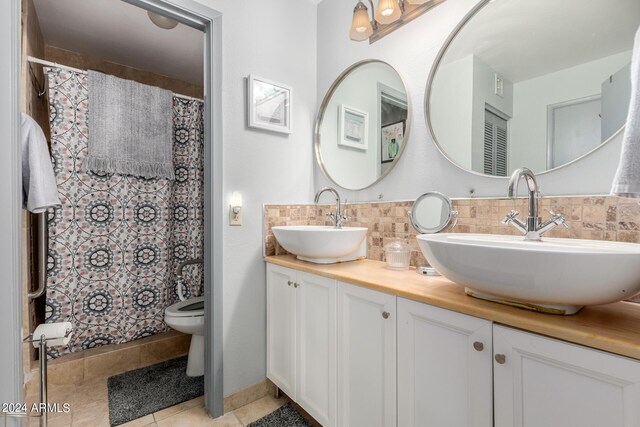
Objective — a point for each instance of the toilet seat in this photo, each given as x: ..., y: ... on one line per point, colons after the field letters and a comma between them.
x: 192, y: 307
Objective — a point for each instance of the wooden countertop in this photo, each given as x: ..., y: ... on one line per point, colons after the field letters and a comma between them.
x: 613, y: 327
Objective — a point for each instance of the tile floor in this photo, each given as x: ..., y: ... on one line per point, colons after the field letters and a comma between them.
x: 90, y: 408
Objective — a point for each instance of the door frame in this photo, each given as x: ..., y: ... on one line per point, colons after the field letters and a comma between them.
x: 551, y: 108
x: 11, y: 376
x: 187, y: 12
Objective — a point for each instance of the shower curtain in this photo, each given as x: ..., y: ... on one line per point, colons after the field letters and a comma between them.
x: 116, y: 241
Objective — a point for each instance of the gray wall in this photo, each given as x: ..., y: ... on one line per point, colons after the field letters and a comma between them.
x: 274, y: 39
x: 412, y: 50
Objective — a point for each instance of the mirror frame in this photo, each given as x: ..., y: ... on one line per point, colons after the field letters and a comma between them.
x: 427, y: 101
x: 450, y: 221
x: 323, y: 107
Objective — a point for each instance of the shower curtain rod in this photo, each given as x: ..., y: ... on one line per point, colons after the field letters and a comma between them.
x: 77, y: 70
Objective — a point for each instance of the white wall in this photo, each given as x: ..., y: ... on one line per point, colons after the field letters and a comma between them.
x: 460, y: 97
x: 351, y: 166
x: 412, y: 50
x: 528, y: 129
x: 452, y: 119
x: 275, y: 39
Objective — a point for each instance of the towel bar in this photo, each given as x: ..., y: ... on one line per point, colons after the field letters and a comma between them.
x: 43, y: 246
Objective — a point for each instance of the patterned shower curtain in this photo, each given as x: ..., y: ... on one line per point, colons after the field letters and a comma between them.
x: 115, y: 243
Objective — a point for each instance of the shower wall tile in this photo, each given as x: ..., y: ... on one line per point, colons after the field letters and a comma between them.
x: 115, y: 362
x: 101, y: 362
x: 161, y: 350
x: 588, y: 217
x: 68, y: 373
x: 84, y: 62
x: 36, y: 107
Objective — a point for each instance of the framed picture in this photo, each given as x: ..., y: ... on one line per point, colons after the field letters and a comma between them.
x: 353, y: 128
x: 269, y: 105
x: 392, y: 136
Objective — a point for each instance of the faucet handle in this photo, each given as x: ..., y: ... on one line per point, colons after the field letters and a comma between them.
x: 342, y: 218
x: 510, y: 217
x: 558, y: 218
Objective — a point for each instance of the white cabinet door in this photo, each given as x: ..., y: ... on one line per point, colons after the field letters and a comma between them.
x: 281, y: 328
x: 366, y: 357
x: 316, y: 346
x: 444, y: 368
x: 545, y: 382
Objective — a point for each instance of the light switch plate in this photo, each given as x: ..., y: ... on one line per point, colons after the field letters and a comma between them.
x: 235, y: 219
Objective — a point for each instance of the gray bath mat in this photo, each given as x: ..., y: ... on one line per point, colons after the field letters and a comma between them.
x: 286, y: 416
x: 144, y: 391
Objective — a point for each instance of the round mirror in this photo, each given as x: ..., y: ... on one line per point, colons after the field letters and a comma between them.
x: 432, y: 212
x: 363, y: 124
x: 532, y: 83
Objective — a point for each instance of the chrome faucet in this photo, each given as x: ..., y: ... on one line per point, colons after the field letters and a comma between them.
x: 338, y: 218
x: 533, y: 228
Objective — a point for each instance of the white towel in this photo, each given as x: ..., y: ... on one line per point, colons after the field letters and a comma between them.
x: 40, y: 191
x: 627, y: 180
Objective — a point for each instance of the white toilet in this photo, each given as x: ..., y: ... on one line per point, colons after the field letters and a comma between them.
x: 188, y: 317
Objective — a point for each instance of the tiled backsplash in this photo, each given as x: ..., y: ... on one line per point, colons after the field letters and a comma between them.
x: 588, y: 217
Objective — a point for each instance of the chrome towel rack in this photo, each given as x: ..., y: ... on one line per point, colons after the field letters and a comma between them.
x: 43, y: 246
x: 43, y: 404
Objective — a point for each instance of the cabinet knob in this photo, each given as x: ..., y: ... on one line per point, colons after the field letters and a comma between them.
x: 295, y: 285
x: 478, y: 346
x: 386, y: 314
x: 289, y: 283
x: 500, y: 358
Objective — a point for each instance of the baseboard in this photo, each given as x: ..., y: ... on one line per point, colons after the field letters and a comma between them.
x: 248, y: 395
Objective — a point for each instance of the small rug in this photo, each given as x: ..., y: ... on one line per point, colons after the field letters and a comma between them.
x: 286, y: 416
x: 144, y: 391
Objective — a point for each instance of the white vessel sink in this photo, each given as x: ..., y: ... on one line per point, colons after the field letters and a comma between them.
x: 555, y: 275
x: 323, y: 245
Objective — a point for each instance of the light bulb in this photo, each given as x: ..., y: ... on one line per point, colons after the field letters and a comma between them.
x: 236, y: 199
x: 361, y: 28
x: 388, y: 11
x: 162, y: 21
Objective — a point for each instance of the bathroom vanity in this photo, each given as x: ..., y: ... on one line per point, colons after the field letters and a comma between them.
x: 356, y: 344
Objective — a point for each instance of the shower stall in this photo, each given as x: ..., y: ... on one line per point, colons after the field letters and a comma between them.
x: 116, y: 241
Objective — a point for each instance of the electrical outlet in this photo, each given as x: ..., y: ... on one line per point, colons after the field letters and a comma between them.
x: 235, y: 218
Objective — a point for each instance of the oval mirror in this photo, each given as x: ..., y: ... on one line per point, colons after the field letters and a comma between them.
x: 363, y: 124
x: 432, y: 212
x: 532, y: 83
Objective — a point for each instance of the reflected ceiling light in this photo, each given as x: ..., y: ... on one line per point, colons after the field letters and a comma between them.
x: 388, y: 11
x: 162, y: 21
x: 361, y: 28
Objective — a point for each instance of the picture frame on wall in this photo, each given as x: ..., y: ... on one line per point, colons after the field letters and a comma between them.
x: 269, y: 105
x: 353, y: 128
x: 391, y: 140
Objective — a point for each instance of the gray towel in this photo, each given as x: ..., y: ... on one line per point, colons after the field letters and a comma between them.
x: 627, y: 180
x: 130, y: 128
x: 40, y: 191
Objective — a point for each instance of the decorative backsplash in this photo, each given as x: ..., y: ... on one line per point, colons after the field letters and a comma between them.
x: 588, y: 217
